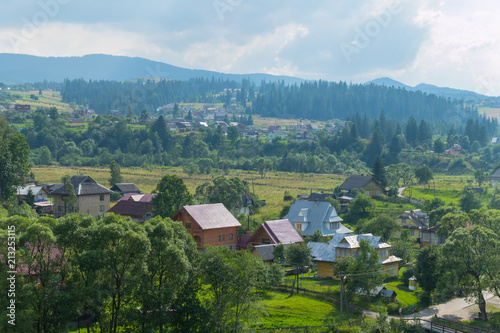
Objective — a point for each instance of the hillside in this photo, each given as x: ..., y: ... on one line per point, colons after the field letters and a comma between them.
x: 18, y: 68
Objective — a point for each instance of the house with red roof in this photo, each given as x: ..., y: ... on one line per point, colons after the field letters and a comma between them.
x: 274, y: 232
x: 210, y: 224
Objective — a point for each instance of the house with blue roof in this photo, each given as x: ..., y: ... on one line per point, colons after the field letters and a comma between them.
x: 309, y: 216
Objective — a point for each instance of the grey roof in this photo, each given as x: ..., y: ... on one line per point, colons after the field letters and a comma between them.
x: 316, y: 196
x: 84, y: 185
x: 125, y: 187
x: 24, y: 190
x: 355, y: 181
x: 265, y: 251
x: 50, y: 187
x: 212, y: 216
x: 496, y: 174
x: 315, y: 214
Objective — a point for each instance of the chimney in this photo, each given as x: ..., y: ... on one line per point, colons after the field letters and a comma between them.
x: 64, y: 184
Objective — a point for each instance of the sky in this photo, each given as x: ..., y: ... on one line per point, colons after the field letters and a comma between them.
x: 442, y: 42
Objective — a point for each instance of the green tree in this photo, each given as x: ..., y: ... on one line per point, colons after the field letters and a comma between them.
x: 423, y: 174
x: 480, y: 176
x: 364, y: 271
x: 428, y: 268
x: 383, y: 225
x: 130, y: 111
x: 468, y: 253
x: 30, y: 197
x: 378, y: 171
x: 171, y: 195
x: 116, y: 174
x: 191, y: 168
x: 70, y: 199
x: 439, y: 146
x: 298, y: 256
x: 360, y: 208
x: 470, y: 200
x: 14, y: 151
x: 222, y: 190
x: 233, y: 133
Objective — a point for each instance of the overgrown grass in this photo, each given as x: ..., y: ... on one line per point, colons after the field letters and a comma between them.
x: 493, y: 322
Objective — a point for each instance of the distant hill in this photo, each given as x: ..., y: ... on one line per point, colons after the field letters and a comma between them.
x: 438, y: 91
x: 19, y: 68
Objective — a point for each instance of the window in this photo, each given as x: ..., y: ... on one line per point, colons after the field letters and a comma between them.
x: 219, y: 238
x: 101, y: 208
x: 188, y: 225
x: 377, y: 193
x: 367, y: 193
x: 403, y: 220
x: 371, y: 184
x: 266, y: 241
x: 412, y: 232
x: 231, y: 236
x: 298, y: 226
x: 222, y: 237
x: 389, y: 267
x: 101, y: 197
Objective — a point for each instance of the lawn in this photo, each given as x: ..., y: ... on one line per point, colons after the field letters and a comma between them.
x: 493, y: 322
x: 280, y: 310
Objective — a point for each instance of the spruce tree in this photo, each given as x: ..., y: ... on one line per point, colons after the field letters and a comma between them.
x: 378, y: 171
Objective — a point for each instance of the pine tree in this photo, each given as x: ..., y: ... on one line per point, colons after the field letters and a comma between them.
x: 378, y: 171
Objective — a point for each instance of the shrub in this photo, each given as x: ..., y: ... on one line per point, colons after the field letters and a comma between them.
x: 393, y: 309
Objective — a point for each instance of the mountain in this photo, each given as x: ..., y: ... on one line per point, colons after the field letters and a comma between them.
x: 438, y: 91
x: 19, y: 68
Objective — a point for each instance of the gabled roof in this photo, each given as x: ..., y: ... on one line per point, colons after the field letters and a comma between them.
x: 355, y: 182
x: 34, y: 189
x: 125, y: 187
x: 212, y: 216
x: 131, y: 208
x: 315, y: 214
x: 280, y: 231
x: 137, y: 197
x: 316, y: 196
x: 84, y: 185
x: 265, y: 251
x: 496, y: 174
x: 50, y: 187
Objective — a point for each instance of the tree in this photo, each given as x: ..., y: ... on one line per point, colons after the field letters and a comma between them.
x: 469, y: 253
x: 383, y: 225
x: 360, y: 208
x: 298, y: 256
x: 439, y: 146
x: 470, y: 200
x: 70, y: 200
x: 191, y: 168
x: 233, y: 133
x: 171, y: 195
x: 222, y: 190
x: 130, y: 111
x: 30, y: 197
x: 363, y: 271
x: 480, y: 176
x: 116, y: 175
x: 14, y: 151
x: 423, y: 174
x: 428, y: 268
x: 378, y: 171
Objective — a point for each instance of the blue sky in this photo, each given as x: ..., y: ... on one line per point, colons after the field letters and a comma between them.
x: 442, y: 42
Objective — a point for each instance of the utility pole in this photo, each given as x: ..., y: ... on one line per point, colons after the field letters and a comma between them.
x: 346, y: 302
x: 341, y: 293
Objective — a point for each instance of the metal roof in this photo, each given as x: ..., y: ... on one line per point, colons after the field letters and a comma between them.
x: 212, y: 216
x: 84, y: 185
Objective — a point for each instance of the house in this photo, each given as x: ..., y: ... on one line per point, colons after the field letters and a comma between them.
x: 247, y: 201
x: 274, y: 232
x: 138, y: 197
x: 264, y: 252
x: 430, y: 236
x: 495, y: 176
x: 367, y: 184
x: 210, y: 224
x: 415, y: 221
x: 50, y: 187
x: 325, y: 255
x: 125, y: 188
x: 92, y: 198
x: 85, y: 113
x: 309, y: 216
x: 344, y: 202
x: 455, y: 150
x: 115, y: 113
x: 379, y: 291
x: 39, y: 193
x: 139, y: 211
x: 22, y: 108
x: 316, y: 196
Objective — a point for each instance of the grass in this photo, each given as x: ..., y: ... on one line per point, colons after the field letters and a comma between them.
x: 493, y: 322
x: 280, y: 310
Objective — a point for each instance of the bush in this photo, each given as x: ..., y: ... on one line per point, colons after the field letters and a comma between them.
x: 407, y: 274
x: 393, y: 309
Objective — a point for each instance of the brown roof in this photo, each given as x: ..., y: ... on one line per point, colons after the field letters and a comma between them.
x: 212, y: 216
x: 280, y: 231
x: 131, y: 208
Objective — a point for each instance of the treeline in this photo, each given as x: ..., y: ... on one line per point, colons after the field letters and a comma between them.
x: 210, y: 150
x: 126, y: 276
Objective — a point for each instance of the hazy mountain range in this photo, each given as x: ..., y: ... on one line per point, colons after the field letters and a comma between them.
x: 18, y: 68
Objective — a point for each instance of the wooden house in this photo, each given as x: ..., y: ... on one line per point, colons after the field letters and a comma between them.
x: 210, y: 224
x: 325, y: 255
x: 138, y: 211
x: 366, y: 184
x: 274, y: 232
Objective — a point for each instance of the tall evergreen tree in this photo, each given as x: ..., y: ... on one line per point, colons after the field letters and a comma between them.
x: 378, y: 171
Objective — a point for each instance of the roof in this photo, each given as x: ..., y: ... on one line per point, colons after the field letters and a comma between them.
x: 137, y: 197
x: 50, y: 187
x: 212, y: 216
x: 125, y: 187
x: 496, y: 174
x: 326, y: 251
x: 24, y: 190
x: 131, y: 208
x: 355, y: 182
x: 84, y: 185
x: 265, y: 251
x: 243, y: 240
x: 316, y: 196
x: 315, y: 214
x: 280, y: 231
